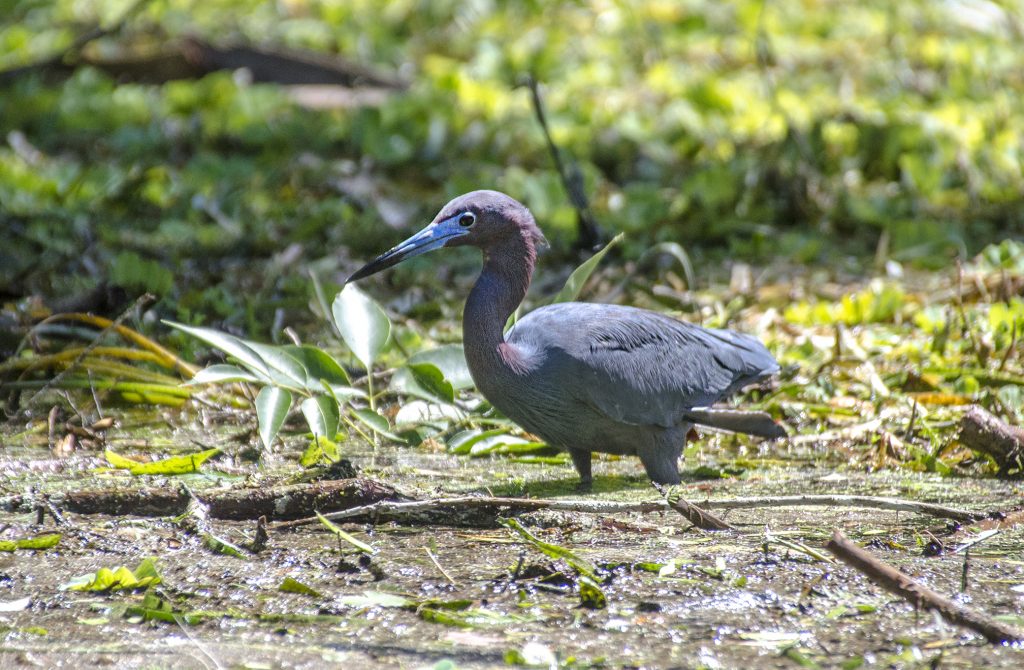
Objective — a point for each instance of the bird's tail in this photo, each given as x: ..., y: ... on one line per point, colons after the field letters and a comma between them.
x: 737, y: 421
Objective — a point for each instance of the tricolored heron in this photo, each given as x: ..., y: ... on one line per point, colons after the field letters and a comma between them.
x: 586, y: 377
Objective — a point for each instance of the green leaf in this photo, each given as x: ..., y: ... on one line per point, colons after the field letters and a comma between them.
x: 319, y: 449
x: 218, y: 544
x: 290, y: 585
x: 117, y: 579
x: 359, y: 545
x: 222, y: 374
x: 38, y: 542
x: 119, y: 461
x: 284, y: 369
x: 574, y: 284
x: 362, y: 323
x: 230, y: 345
x: 375, y: 421
x: 342, y: 393
x: 581, y: 565
x: 450, y: 359
x: 322, y: 415
x: 676, y: 251
x: 431, y: 379
x: 272, y: 405
x: 319, y: 365
x: 175, y: 465
x: 591, y: 595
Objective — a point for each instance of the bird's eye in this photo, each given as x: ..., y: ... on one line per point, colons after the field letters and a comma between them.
x: 467, y: 219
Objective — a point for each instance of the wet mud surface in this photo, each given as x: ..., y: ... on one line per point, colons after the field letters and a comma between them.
x: 478, y: 598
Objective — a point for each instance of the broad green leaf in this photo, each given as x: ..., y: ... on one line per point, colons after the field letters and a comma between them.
x: 221, y: 374
x: 290, y: 585
x: 375, y: 421
x: 218, y: 544
x: 285, y: 370
x: 431, y: 379
x: 321, y: 414
x: 341, y: 534
x: 450, y: 359
x: 272, y: 405
x: 175, y: 465
x: 509, y: 445
x: 419, y: 412
x: 342, y: 393
x: 117, y: 579
x: 362, y: 323
x: 574, y: 284
x: 155, y: 608
x: 319, y: 365
x: 464, y: 442
x: 119, y: 461
x: 230, y: 345
x: 38, y: 542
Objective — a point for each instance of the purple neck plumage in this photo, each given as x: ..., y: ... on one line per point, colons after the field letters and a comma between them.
x: 499, y: 290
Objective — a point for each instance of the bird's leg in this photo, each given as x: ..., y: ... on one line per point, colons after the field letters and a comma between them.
x: 581, y: 459
x: 661, y: 462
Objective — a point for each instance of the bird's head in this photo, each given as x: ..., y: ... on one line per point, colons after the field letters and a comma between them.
x: 489, y: 220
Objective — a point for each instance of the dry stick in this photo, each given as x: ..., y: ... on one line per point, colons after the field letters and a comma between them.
x: 894, y: 581
x: 870, y: 502
x: 437, y: 564
x: 698, y: 517
x: 462, y: 503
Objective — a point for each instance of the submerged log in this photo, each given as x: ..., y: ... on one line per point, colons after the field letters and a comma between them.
x: 986, y: 433
x: 276, y: 502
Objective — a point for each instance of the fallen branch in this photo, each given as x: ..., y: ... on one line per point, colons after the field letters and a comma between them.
x: 984, y: 432
x: 486, y: 507
x: 867, y: 502
x: 280, y: 502
x: 444, y: 509
x: 894, y: 581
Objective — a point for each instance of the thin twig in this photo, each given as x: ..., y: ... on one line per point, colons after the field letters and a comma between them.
x: 437, y: 564
x: 894, y: 581
x: 570, y: 175
x: 418, y: 507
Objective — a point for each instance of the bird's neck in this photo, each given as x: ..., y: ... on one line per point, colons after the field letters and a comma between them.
x: 498, y: 291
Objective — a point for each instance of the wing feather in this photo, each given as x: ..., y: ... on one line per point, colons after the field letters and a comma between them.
x: 638, y: 366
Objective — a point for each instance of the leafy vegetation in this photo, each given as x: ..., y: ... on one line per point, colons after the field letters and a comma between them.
x: 842, y: 179
x: 764, y: 130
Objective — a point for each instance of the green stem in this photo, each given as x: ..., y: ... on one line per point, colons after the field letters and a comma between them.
x: 351, y: 424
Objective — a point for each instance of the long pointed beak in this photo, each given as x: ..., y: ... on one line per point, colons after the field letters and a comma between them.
x: 434, y: 236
